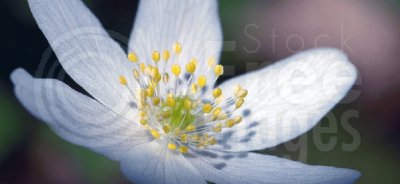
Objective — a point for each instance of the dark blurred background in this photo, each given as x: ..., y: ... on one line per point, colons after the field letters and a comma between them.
x: 256, y: 32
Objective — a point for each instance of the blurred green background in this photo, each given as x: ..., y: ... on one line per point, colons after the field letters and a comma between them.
x: 256, y: 33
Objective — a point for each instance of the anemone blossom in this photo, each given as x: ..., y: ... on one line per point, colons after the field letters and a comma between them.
x: 156, y: 110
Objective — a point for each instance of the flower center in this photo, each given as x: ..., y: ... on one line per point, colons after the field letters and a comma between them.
x: 178, y: 106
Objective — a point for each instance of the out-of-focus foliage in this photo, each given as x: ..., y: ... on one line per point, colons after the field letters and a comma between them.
x: 11, y: 124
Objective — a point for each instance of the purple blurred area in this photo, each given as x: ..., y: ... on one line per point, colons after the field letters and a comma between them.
x: 368, y: 31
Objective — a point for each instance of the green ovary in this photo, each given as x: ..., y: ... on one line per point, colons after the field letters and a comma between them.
x: 180, y: 114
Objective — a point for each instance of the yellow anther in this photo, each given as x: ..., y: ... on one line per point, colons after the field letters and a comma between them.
x: 142, y: 114
x: 176, y: 69
x: 183, y: 138
x: 156, y: 56
x: 216, y: 111
x: 122, y: 80
x: 223, y: 116
x: 157, y: 77
x: 170, y: 101
x: 172, y: 146
x: 195, y: 137
x: 217, y: 92
x: 193, y: 87
x: 143, y: 93
x: 150, y: 91
x: 155, y: 133
x: 154, y: 71
x: 212, y: 141
x: 200, y: 146
x: 211, y: 62
x: 190, y: 67
x: 143, y: 122
x: 142, y: 103
x: 183, y: 149
x: 177, y: 48
x: 136, y: 74
x: 237, y: 119
x: 207, y: 108
x: 229, y: 123
x: 190, y: 128
x: 241, y: 93
x: 202, y: 81
x: 219, y: 70
x: 236, y: 88
x: 148, y: 70
x: 166, y: 55
x: 133, y: 57
x: 142, y: 67
x: 187, y: 104
x: 166, y: 128
x: 177, y: 131
x: 217, y: 128
x: 239, y: 103
x: 156, y: 100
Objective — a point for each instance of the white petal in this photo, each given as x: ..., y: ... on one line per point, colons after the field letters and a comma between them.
x: 194, y: 23
x: 154, y: 163
x: 252, y: 168
x: 76, y: 117
x: 84, y: 49
x: 287, y: 98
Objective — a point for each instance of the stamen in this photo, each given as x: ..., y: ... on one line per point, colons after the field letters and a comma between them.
x: 217, y: 92
x: 211, y: 62
x: 172, y: 146
x: 241, y: 93
x: 143, y: 122
x: 176, y: 69
x: 212, y: 141
x: 155, y: 133
x: 156, y: 100
x: 239, y: 103
x: 122, y: 80
x: 133, y: 57
x: 202, y: 81
x: 177, y: 48
x: 229, y: 123
x: 181, y: 113
x: 190, y: 67
x: 183, y: 149
x: 156, y: 56
x: 207, y: 108
x: 166, y: 55
x: 190, y: 128
x: 167, y: 128
x: 237, y: 119
x: 219, y: 70
x: 183, y: 138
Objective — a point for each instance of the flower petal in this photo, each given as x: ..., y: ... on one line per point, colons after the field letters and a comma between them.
x: 287, y: 98
x: 84, y: 49
x: 154, y: 163
x: 252, y: 168
x: 195, y: 24
x: 76, y: 117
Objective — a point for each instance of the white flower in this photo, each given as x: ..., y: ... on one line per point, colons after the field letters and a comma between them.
x: 155, y: 110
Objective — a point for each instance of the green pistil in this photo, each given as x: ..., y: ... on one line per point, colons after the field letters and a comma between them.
x: 178, y: 117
